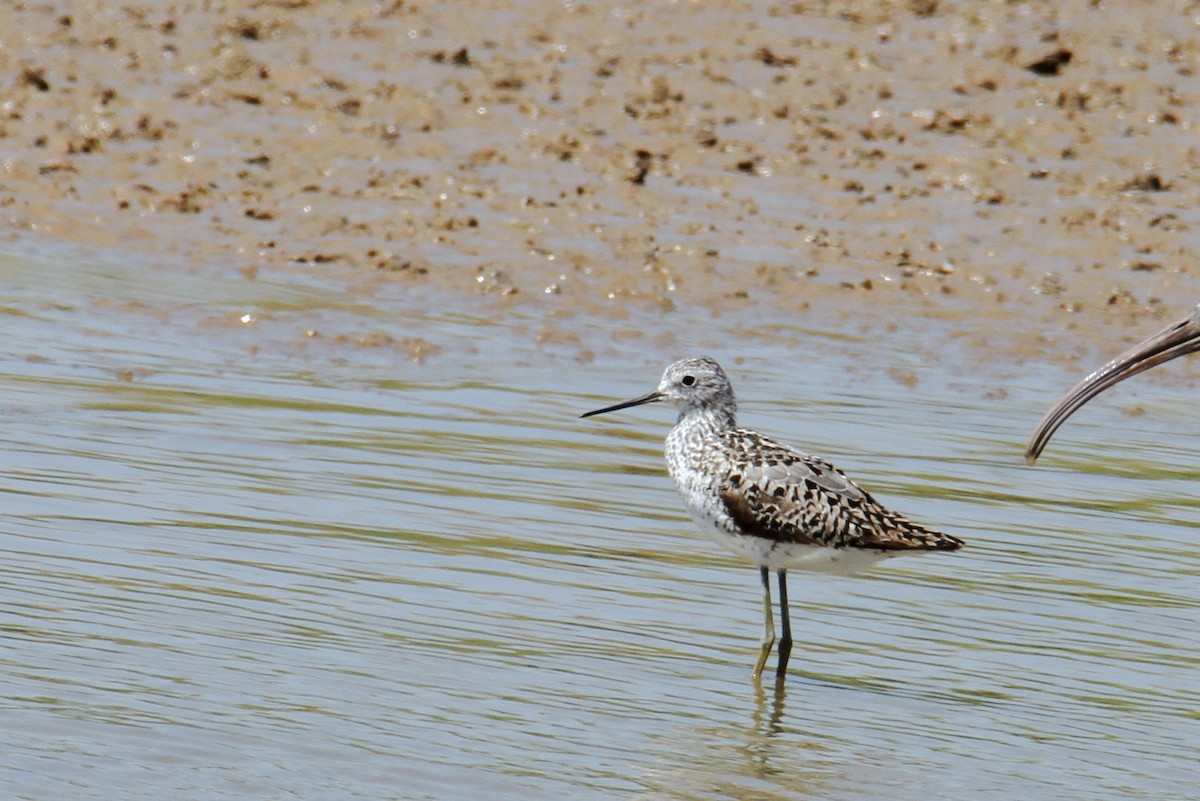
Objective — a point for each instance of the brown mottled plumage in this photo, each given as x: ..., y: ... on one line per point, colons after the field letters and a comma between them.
x: 779, y: 494
x: 773, y: 504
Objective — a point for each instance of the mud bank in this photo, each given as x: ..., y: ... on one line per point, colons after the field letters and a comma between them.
x: 1022, y: 169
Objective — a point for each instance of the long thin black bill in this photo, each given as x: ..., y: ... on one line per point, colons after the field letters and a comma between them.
x: 1175, y: 340
x: 651, y: 398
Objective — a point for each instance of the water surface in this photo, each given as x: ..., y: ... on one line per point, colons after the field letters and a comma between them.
x: 248, y: 554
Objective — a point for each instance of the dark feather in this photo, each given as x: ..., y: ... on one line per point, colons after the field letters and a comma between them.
x: 780, y: 494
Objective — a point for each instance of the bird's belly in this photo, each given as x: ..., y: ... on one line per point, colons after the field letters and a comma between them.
x: 793, y: 556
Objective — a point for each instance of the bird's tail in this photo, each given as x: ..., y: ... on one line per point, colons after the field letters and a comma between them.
x: 894, y: 532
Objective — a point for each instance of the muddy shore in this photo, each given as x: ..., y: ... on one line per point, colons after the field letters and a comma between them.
x: 1025, y: 170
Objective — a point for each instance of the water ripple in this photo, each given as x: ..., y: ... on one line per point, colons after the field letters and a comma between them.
x: 250, y: 572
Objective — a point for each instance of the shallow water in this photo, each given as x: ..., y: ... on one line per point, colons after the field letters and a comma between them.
x: 265, y: 559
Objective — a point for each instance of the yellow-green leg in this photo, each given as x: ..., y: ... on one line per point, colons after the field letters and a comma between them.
x: 785, y: 642
x: 768, y: 640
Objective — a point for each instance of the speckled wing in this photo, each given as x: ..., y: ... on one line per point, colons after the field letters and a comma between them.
x: 781, y: 494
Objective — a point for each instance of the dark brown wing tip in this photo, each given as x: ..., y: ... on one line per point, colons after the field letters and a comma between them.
x: 924, y: 539
x: 948, y: 543
x: 937, y: 541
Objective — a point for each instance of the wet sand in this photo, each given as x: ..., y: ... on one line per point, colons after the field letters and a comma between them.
x: 1020, y: 171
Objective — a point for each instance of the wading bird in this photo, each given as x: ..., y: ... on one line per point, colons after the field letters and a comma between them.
x: 769, y: 503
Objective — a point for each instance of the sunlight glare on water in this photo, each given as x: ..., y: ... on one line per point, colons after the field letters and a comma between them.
x: 235, y: 565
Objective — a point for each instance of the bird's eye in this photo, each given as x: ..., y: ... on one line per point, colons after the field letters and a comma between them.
x: 688, y: 380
